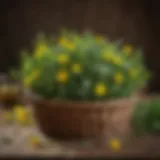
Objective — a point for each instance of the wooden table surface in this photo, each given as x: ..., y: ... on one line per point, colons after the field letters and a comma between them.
x: 148, y: 146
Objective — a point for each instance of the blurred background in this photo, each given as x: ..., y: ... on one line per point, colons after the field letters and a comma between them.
x: 135, y: 21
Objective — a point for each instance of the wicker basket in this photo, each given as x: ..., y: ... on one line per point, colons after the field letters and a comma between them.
x: 71, y: 120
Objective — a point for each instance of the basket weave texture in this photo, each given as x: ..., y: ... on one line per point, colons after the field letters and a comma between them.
x: 70, y: 120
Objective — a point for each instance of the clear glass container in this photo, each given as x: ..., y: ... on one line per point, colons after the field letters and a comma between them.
x: 10, y: 90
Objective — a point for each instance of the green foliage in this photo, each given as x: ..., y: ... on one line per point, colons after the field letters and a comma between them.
x: 146, y: 117
x: 83, y: 67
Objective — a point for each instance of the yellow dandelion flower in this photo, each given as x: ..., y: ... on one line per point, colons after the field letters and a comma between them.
x: 115, y: 144
x: 76, y: 68
x: 21, y: 114
x: 112, y: 58
x: 62, y: 76
x: 63, y: 58
x: 107, y: 56
x: 35, y: 141
x: 63, y: 41
x: 33, y: 76
x: 133, y: 72
x: 117, y: 60
x: 67, y: 44
x: 119, y: 78
x: 100, y: 89
x: 40, y: 50
x: 127, y: 49
x: 99, y: 38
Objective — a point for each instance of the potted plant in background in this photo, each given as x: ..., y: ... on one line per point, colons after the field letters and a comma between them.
x: 145, y: 124
x: 83, y: 85
x: 146, y: 117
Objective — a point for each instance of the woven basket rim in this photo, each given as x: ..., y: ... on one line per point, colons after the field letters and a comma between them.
x: 112, y: 103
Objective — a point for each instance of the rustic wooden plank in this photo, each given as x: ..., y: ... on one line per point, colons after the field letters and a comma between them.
x: 133, y: 147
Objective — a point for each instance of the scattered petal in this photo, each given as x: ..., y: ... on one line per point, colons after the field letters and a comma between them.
x: 115, y: 144
x: 35, y: 141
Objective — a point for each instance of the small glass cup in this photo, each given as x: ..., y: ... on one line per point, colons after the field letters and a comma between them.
x: 10, y: 91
